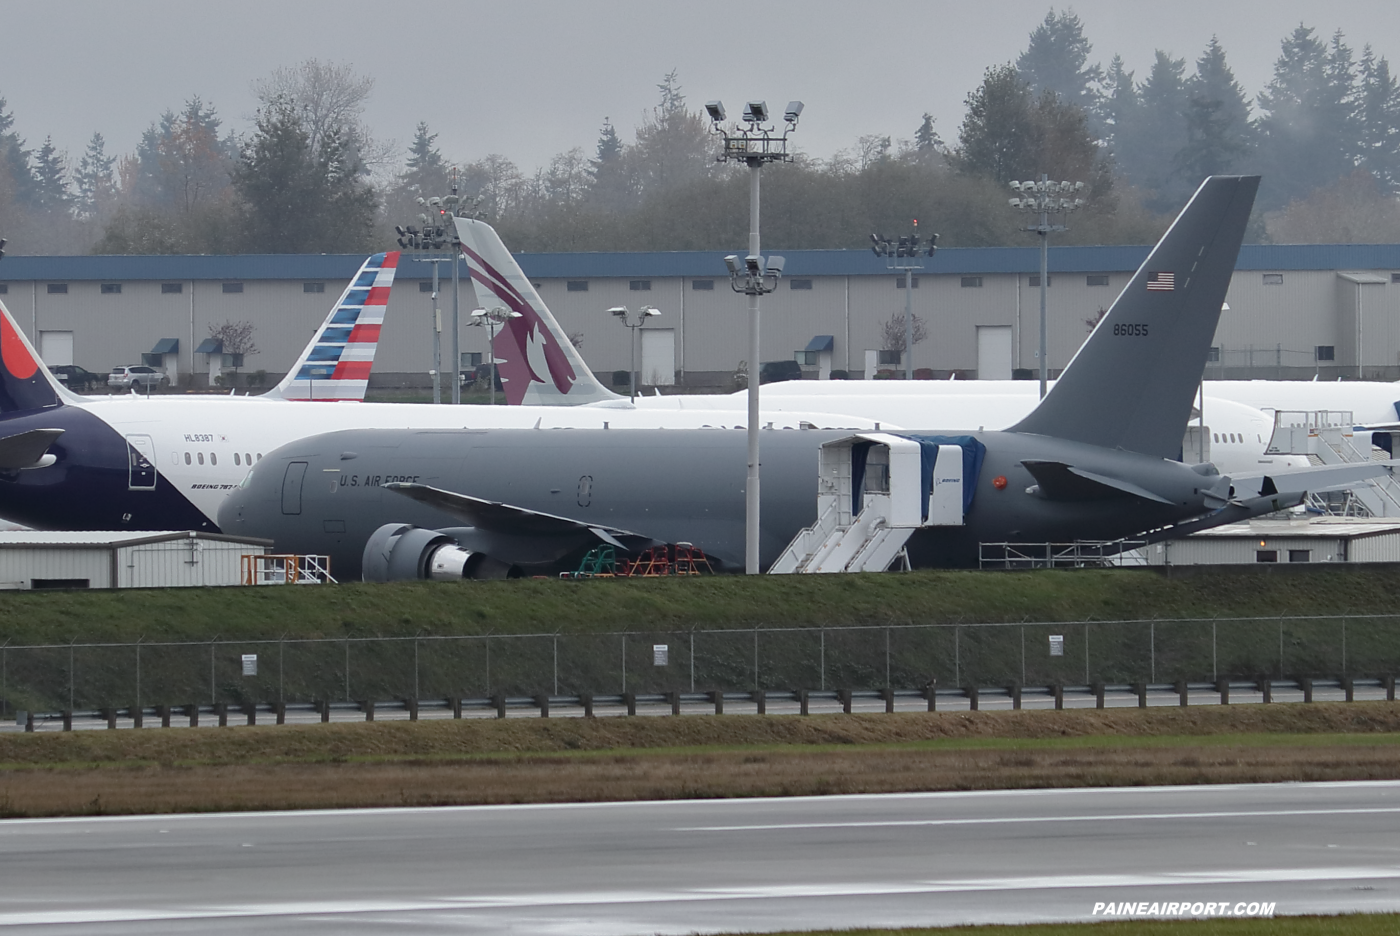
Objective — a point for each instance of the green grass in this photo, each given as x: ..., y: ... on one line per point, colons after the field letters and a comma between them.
x: 405, y: 609
x: 1359, y: 924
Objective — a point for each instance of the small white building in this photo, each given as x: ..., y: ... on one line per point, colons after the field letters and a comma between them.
x: 1313, y: 539
x: 58, y: 559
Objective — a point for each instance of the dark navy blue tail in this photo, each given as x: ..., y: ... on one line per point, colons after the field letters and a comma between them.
x: 25, y: 383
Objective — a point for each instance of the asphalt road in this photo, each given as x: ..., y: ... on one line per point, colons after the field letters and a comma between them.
x: 687, y: 867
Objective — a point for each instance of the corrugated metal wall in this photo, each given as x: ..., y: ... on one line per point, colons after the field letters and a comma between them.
x: 180, y: 563
x: 19, y: 567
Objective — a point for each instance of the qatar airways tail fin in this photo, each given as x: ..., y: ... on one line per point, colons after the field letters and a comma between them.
x: 535, y: 359
x: 25, y: 383
x: 336, y: 364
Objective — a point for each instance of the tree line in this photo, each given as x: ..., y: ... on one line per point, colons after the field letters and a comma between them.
x: 310, y: 176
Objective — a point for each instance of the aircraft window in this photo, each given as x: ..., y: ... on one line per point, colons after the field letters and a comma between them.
x: 187, y: 458
x: 248, y: 459
x: 200, y: 456
x: 213, y: 458
x: 235, y: 459
x: 1215, y: 436
x: 260, y: 456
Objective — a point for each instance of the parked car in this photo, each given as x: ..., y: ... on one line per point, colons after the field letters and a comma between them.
x: 776, y: 371
x: 75, y: 378
x: 139, y: 376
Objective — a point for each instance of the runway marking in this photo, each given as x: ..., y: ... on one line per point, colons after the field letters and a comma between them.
x: 1011, y: 820
x: 342, y: 908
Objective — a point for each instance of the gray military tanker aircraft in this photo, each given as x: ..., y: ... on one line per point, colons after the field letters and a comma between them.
x: 1097, y: 459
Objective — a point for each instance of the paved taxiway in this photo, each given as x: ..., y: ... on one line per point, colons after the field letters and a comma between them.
x: 685, y: 867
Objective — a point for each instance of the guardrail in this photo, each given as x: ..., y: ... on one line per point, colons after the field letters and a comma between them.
x: 805, y: 700
x: 89, y: 677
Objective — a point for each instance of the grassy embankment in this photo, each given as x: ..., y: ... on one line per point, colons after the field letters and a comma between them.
x: 534, y: 760
x: 597, y: 606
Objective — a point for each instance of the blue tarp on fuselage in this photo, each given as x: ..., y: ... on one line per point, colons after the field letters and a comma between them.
x: 973, y: 453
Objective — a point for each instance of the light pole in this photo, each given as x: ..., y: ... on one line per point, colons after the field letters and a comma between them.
x: 438, y: 231
x: 1045, y: 198
x: 906, y: 249
x: 634, y: 321
x: 437, y: 327
x: 753, y: 141
x: 493, y: 318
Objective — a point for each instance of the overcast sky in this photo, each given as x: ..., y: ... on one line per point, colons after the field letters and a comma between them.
x: 529, y: 78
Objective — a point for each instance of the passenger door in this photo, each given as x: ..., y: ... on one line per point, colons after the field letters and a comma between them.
x: 291, y: 488
x: 141, y: 461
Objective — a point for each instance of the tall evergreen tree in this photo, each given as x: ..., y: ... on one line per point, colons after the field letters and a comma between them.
x: 674, y: 146
x: 609, y: 189
x: 1304, y: 132
x: 94, y: 176
x: 997, y: 136
x: 1378, y: 116
x: 1057, y: 60
x: 14, y: 159
x: 300, y: 198
x: 1118, y: 105
x: 181, y: 160
x: 51, y: 178
x: 1218, y: 131
x: 1145, y: 152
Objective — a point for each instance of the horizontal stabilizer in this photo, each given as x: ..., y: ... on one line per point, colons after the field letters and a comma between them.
x: 26, y: 449
x: 1061, y: 482
x: 1314, y: 480
x: 1235, y: 512
x: 502, y: 518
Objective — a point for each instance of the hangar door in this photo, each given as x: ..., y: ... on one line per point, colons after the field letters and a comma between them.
x: 56, y: 348
x: 993, y: 352
x: 658, y: 357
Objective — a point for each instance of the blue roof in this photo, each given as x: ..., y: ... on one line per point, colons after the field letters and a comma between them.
x: 821, y: 343
x: 707, y: 264
x: 210, y: 346
x: 166, y: 346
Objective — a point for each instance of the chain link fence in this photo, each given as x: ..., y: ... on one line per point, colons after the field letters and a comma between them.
x: 94, y: 676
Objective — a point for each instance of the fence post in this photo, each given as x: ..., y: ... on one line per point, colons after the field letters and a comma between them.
x: 631, y: 699
x: 1307, y: 688
x: 368, y: 706
x: 67, y: 719
x: 29, y: 721
x: 1015, y: 691
x: 250, y: 709
x: 1222, y: 686
x: 412, y: 706
x: 888, y: 695
x: 931, y: 695
x: 138, y: 717
x: 1098, y: 694
x: 587, y: 699
x: 972, y: 698
x: 1142, y: 694
x: 1182, y: 693
x: 760, y: 698
x: 323, y: 708
x: 192, y: 710
x: 717, y: 697
x: 111, y: 715
x: 675, y: 695
x: 845, y: 696
x: 499, y: 700
x: 281, y: 711
x: 163, y: 711
x: 542, y: 700
x: 804, y: 707
x: 1266, y: 689
x: 221, y: 710
x: 1059, y: 697
x: 1348, y: 688
x: 456, y: 702
x: 1390, y: 688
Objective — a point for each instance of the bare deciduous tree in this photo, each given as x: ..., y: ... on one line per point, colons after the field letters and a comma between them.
x: 892, y: 332
x: 236, y: 337
x: 331, y: 99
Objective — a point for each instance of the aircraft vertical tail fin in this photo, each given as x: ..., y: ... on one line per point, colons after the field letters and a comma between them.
x: 337, y: 362
x: 25, y: 383
x: 535, y: 359
x: 1131, y: 384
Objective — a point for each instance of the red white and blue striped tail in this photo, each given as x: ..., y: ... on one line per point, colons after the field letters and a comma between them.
x: 336, y: 365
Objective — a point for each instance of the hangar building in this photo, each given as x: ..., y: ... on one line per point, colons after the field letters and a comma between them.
x: 1294, y: 311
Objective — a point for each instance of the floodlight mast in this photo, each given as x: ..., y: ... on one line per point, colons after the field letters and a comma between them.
x: 902, y: 254
x: 633, y: 321
x: 1044, y: 198
x: 754, y: 142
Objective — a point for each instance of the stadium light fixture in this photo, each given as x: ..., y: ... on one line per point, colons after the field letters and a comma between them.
x: 634, y: 320
x: 1044, y: 198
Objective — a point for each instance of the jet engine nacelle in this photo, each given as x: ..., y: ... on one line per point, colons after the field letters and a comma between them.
x: 399, y: 552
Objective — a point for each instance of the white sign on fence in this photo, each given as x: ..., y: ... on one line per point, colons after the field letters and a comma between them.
x: 660, y: 654
x: 250, y: 664
x: 1057, y: 645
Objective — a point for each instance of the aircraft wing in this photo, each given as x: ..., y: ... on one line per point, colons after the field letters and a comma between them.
x: 26, y: 449
x: 505, y: 518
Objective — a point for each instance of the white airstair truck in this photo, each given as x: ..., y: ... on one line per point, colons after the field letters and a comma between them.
x: 874, y: 490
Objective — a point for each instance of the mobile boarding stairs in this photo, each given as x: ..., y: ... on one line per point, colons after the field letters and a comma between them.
x: 871, y: 499
x: 1329, y: 437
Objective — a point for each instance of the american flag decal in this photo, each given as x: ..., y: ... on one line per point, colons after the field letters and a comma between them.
x: 1161, y: 282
